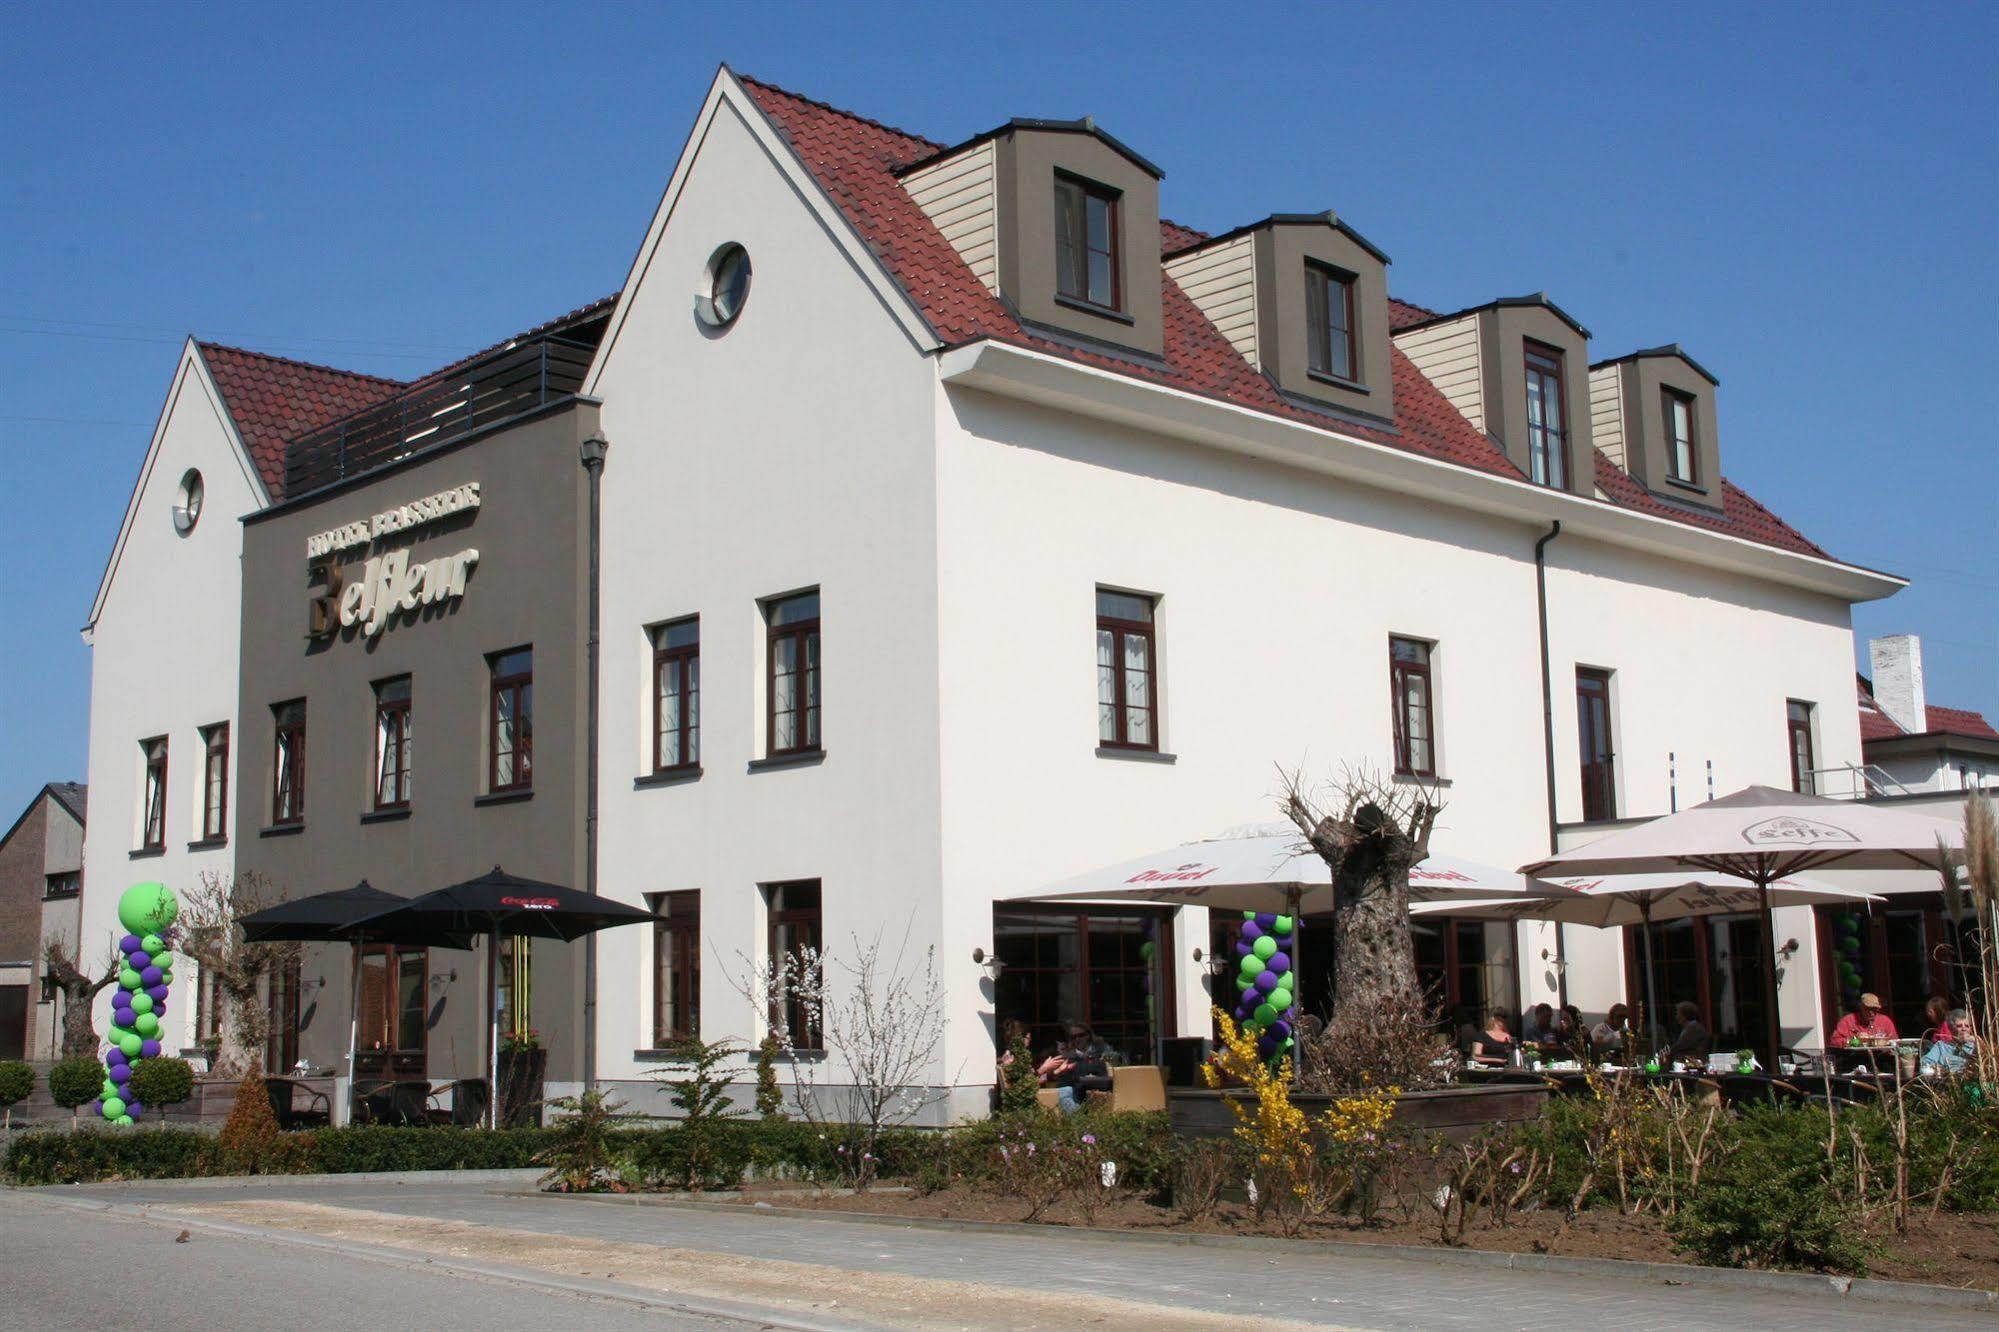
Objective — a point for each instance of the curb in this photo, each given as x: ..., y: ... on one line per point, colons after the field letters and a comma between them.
x: 415, y: 1260
x: 495, y: 1177
x: 1680, y: 1274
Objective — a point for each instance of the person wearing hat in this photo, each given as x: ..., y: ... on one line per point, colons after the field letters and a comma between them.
x: 1866, y: 1024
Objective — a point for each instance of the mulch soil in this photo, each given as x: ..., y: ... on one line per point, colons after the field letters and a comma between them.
x: 1946, y: 1249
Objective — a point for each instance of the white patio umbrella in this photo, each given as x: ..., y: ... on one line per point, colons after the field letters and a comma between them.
x: 1641, y: 899
x: 1764, y: 835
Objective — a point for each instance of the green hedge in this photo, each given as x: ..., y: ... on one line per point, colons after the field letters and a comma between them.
x: 91, y: 1155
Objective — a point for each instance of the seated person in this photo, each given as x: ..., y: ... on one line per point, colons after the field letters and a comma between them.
x: 1936, y: 1020
x: 1493, y: 1046
x: 1864, y: 1025
x: 1080, y: 1066
x: 1610, y: 1036
x: 1694, y: 1043
x: 1537, y: 1027
x: 1952, y: 1053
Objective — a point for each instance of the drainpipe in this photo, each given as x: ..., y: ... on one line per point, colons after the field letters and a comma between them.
x: 592, y: 452
x: 1548, y: 743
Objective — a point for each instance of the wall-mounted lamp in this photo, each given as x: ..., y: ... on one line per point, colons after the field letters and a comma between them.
x: 450, y: 977
x: 1559, y: 964
x: 1789, y: 950
x: 1214, y: 966
x: 993, y: 966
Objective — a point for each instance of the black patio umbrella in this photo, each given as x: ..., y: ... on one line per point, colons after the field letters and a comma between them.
x: 501, y: 902
x: 333, y: 917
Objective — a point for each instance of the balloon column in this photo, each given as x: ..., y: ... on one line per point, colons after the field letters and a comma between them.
x: 147, y: 911
x: 1850, y: 953
x: 1267, y: 1003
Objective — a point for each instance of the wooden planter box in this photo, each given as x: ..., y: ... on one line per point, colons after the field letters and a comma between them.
x: 1455, y: 1112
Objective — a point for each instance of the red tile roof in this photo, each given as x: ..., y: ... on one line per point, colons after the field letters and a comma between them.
x: 272, y: 399
x: 855, y: 159
x: 1876, y: 724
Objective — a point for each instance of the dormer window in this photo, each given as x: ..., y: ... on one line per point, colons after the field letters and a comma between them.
x: 1547, y: 429
x: 1329, y: 322
x: 1682, y: 457
x: 1086, y: 242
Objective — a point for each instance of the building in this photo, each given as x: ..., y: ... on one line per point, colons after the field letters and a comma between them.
x: 1910, y: 745
x: 972, y: 525
x: 41, y: 894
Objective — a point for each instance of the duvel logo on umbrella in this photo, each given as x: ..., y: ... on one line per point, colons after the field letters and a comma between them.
x: 1791, y: 830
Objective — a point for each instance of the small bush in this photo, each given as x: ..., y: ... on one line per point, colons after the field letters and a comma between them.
x: 159, y: 1083
x: 579, y: 1152
x: 367, y: 1148
x: 75, y: 1081
x: 698, y: 1156
x: 17, y: 1079
x: 88, y: 1156
x: 248, y: 1144
x: 1759, y: 1213
x: 770, y: 1097
x: 1019, y: 1089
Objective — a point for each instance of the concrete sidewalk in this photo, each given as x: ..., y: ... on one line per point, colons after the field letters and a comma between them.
x: 1321, y: 1289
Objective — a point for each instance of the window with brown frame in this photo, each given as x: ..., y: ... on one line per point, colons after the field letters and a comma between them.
x: 1798, y: 722
x: 392, y: 1031
x: 510, y: 720
x: 676, y: 692
x: 215, y: 782
x: 1086, y: 242
x: 795, y: 934
x: 1127, y: 671
x: 1593, y: 738
x: 1682, y: 459
x: 1547, y: 428
x: 676, y: 968
x: 1329, y: 322
x: 1413, y: 707
x: 288, y: 762
x: 792, y: 686
x: 153, y: 813
x: 392, y: 743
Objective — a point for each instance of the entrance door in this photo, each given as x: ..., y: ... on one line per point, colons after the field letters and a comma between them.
x: 394, y: 996
x: 13, y: 1021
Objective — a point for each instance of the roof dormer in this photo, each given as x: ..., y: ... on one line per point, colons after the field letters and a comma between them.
x: 1518, y: 368
x: 1304, y: 297
x: 1654, y: 412
x: 1059, y: 220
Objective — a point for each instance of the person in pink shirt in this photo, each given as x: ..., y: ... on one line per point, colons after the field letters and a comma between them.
x: 1936, y: 1019
x: 1866, y: 1022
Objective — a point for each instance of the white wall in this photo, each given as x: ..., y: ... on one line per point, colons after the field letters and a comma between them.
x: 164, y: 658
x: 789, y: 451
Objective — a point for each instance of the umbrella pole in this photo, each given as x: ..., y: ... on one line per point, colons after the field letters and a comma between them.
x: 1298, y: 988
x: 354, y: 1029
x: 1772, y: 1029
x: 493, y: 1026
x: 1651, y: 973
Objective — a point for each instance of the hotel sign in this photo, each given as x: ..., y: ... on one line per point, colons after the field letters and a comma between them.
x: 388, y: 581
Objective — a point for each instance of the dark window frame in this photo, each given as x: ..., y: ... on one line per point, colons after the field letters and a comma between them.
x: 789, y: 1013
x: 392, y: 716
x: 393, y: 1060
x: 1798, y: 717
x: 684, y: 661
x: 1320, y: 279
x: 153, y: 796
x: 517, y: 686
x: 1669, y: 398
x: 1045, y: 1030
x: 1084, y: 191
x: 215, y: 782
x: 676, y: 943
x: 1599, y: 770
x: 287, y: 761
x: 1400, y: 673
x: 282, y: 990
x: 804, y: 639
x: 1550, y: 446
x: 1121, y: 628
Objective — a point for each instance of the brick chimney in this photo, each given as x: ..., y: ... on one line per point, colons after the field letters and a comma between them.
x: 1898, y: 680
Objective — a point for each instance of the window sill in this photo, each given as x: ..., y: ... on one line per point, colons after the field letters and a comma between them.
x: 1091, y: 307
x: 1420, y: 779
x: 804, y: 758
x: 386, y: 815
x: 1135, y: 755
x: 686, y: 772
x: 282, y: 829
x: 148, y: 852
x: 208, y: 843
x: 1694, y: 487
x: 1335, y: 381
x: 662, y: 1054
x: 502, y: 798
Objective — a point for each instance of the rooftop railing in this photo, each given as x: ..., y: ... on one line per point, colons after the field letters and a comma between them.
x: 503, y: 385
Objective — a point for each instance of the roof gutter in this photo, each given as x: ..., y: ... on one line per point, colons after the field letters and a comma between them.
x: 1034, y: 376
x: 1548, y: 742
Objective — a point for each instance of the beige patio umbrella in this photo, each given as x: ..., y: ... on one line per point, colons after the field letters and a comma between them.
x: 1764, y: 835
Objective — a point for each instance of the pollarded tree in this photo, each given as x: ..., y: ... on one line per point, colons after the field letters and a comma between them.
x: 1370, y: 834
x: 239, y: 969
x: 79, y: 988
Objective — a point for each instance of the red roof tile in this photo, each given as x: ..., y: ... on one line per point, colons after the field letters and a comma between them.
x: 1876, y: 724
x: 272, y: 399
x: 855, y: 159
x: 1961, y: 721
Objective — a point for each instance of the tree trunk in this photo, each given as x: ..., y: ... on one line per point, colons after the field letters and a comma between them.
x: 79, y: 1035
x: 1374, y: 958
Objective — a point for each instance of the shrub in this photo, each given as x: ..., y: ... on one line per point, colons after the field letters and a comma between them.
x: 382, y: 1147
x: 1202, y: 1170
x: 248, y: 1144
x: 1760, y: 1212
x: 579, y: 1151
x: 17, y: 1079
x: 1019, y: 1088
x: 770, y: 1098
x: 87, y: 1156
x: 159, y: 1083
x: 75, y: 1081
x: 699, y: 1156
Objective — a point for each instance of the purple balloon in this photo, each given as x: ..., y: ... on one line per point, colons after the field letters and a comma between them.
x: 1265, y: 1046
x: 1280, y: 1029
x: 120, y: 1072
x: 1251, y: 930
x: 114, y: 1056
x: 1266, y: 981
x: 129, y: 944
x: 1267, y: 919
x: 149, y: 975
x: 1279, y: 962
x: 149, y: 1050
x: 1242, y: 948
x: 134, y: 1109
x: 158, y: 992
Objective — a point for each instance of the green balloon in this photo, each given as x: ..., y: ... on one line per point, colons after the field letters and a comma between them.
x: 131, y: 1044
x: 118, y: 1034
x: 1282, y: 925
x: 1252, y: 966
x: 1264, y: 1015
x: 1249, y: 915
x: 1145, y: 950
x: 153, y: 945
x: 123, y: 1119
x: 129, y: 979
x: 110, y: 1089
x: 113, y: 1107
x: 1244, y: 983
x: 146, y: 1024
x: 142, y: 1002
x: 166, y: 975
x: 1280, y: 999
x: 147, y: 908
x: 1264, y: 947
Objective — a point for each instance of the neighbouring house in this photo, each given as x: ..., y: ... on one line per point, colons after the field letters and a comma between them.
x: 41, y: 891
x: 971, y: 525
x: 1910, y: 744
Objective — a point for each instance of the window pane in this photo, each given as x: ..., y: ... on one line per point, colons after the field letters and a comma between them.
x: 1068, y: 238
x: 1124, y: 606
x: 1106, y: 685
x: 1316, y: 323
x: 1102, y: 291
x: 1099, y: 211
x: 681, y: 633
x: 691, y: 752
x: 793, y: 610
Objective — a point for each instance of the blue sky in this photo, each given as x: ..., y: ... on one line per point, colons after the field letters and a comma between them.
x: 1802, y: 196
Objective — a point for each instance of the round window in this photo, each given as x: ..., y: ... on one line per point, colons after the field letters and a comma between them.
x: 187, y: 502
x: 728, y: 286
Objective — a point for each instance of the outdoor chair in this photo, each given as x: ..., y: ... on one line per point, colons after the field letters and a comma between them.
x: 1134, y: 1087
x: 469, y: 1100
x: 284, y: 1108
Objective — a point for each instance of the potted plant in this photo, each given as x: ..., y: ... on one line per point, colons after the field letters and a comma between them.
x: 523, y: 1063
